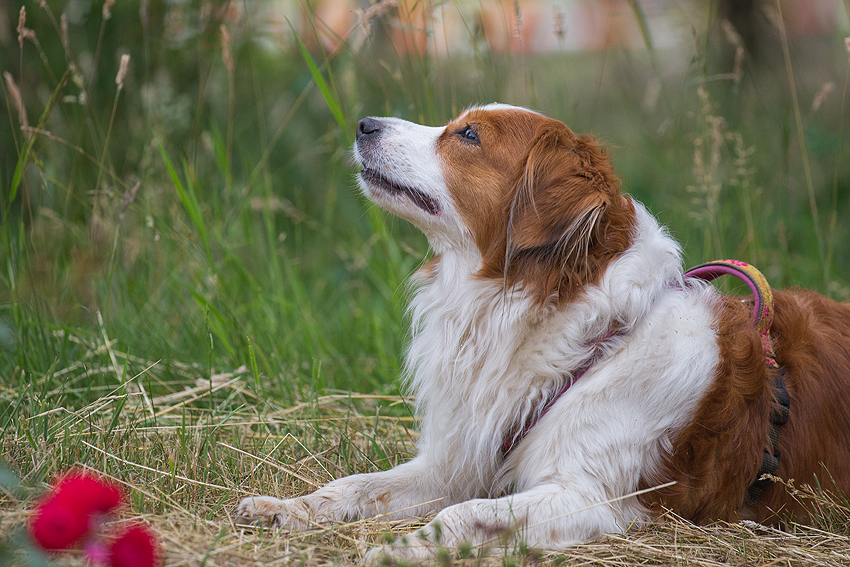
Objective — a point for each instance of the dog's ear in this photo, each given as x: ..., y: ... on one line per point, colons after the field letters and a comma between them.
x: 566, y: 216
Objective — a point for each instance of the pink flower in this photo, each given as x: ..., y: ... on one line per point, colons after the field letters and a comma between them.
x: 136, y: 547
x: 96, y: 551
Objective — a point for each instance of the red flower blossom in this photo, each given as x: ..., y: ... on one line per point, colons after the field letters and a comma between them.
x: 57, y: 525
x: 74, y: 510
x: 88, y: 493
x: 64, y: 517
x: 136, y: 547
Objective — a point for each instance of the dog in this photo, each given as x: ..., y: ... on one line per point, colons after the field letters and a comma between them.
x: 544, y: 277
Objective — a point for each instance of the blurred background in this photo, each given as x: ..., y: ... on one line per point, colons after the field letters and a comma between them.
x: 176, y: 182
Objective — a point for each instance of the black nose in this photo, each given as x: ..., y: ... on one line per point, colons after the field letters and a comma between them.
x: 368, y: 127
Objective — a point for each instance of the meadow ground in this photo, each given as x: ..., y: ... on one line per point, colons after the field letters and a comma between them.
x: 196, y: 303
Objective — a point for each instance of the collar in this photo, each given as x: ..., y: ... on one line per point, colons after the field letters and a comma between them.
x: 762, y: 296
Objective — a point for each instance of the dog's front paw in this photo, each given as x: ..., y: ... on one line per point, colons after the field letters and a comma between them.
x: 293, y: 514
x: 261, y: 510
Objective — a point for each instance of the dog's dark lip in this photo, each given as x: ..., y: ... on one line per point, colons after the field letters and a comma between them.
x: 419, y: 198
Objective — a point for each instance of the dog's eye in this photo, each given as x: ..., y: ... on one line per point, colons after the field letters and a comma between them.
x: 469, y: 134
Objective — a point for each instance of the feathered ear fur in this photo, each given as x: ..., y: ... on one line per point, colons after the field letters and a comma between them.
x: 566, y: 219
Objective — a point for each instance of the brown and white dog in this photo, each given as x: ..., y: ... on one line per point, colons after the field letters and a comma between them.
x: 541, y: 264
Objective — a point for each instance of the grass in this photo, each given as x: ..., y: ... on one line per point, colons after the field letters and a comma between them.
x: 195, y: 302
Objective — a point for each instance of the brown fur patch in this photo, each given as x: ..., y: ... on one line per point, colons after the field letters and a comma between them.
x: 543, y: 204
x: 716, y: 458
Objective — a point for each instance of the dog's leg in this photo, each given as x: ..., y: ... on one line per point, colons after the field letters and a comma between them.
x: 550, y: 516
x: 408, y: 490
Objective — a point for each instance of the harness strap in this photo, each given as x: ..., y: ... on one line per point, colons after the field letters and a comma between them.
x: 762, y: 319
x: 778, y: 418
x: 515, y: 436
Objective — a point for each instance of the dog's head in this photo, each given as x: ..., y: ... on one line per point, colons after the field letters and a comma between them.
x: 540, y: 205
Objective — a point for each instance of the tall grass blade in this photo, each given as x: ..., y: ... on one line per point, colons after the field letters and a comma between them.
x: 804, y: 154
x: 216, y: 322
x: 120, y: 402
x: 838, y: 161
x: 189, y: 200
x: 332, y: 103
x: 24, y: 157
x: 254, y: 370
x: 640, y: 17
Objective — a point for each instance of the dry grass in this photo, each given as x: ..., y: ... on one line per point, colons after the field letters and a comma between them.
x: 188, y: 455
x: 189, y: 539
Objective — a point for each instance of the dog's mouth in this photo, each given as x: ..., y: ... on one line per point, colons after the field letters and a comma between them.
x: 418, y: 198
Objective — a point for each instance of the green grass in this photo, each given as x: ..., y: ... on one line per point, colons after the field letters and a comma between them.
x: 203, y: 221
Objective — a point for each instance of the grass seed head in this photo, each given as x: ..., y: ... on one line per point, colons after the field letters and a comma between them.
x: 63, y: 32
x: 22, y: 20
x: 122, y: 71
x: 107, y: 9
x: 18, y: 101
x: 226, y: 53
x: 23, y: 31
